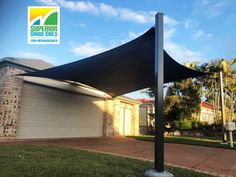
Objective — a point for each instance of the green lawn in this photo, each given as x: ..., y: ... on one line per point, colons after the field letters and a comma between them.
x: 50, y: 161
x: 199, y: 141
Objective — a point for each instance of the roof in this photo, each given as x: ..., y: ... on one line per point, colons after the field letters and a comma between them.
x: 145, y: 100
x: 207, y: 105
x: 121, y: 70
x: 30, y: 63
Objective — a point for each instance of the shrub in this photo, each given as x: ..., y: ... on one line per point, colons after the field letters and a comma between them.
x: 182, y: 124
x: 185, y: 124
x: 176, y: 125
x: 201, y: 125
x: 195, y: 124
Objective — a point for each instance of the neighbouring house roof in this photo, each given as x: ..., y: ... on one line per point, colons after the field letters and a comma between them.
x: 145, y: 100
x: 121, y: 70
x: 34, y: 64
x: 207, y: 105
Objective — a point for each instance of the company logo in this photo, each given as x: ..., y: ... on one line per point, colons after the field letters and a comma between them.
x: 43, y: 25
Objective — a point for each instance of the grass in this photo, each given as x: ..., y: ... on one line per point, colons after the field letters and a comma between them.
x: 198, y: 141
x: 50, y: 161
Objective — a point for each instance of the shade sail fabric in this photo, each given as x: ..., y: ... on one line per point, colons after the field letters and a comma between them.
x: 121, y: 70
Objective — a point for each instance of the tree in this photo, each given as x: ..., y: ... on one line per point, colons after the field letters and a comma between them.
x: 211, y: 83
x: 182, y: 98
x: 230, y: 84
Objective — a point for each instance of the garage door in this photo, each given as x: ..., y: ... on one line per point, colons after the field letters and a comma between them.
x: 53, y: 113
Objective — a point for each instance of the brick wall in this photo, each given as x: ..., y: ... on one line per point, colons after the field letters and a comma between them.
x: 10, y: 97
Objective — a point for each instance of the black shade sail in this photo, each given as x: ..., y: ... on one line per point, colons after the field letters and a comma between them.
x: 121, y: 70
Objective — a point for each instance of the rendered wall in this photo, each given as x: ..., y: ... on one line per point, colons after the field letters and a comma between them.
x: 114, y: 117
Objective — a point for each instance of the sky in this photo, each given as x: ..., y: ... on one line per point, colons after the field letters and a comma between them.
x: 194, y: 30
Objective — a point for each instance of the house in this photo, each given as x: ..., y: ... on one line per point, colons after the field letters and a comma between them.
x: 32, y: 107
x: 207, y: 113
x: 146, y: 111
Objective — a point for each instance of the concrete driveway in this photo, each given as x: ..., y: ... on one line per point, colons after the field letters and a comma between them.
x: 214, y: 160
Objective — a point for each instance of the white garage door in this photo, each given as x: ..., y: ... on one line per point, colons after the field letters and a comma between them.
x: 52, y: 113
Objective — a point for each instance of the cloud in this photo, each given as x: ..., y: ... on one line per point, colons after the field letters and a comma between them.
x: 190, y: 24
x: 33, y: 55
x: 209, y: 8
x: 124, y: 14
x: 200, y: 34
x: 81, y: 6
x: 83, y: 25
x: 88, y: 48
x: 169, y: 33
x: 133, y: 35
x: 170, y: 21
x: 209, y: 35
x: 108, y: 9
x: 47, y: 2
x: 179, y: 52
x: 139, y: 17
x: 92, y: 48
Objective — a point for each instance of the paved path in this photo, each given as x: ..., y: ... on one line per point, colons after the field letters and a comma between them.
x: 214, y: 160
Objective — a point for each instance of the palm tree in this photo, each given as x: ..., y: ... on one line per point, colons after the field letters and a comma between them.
x: 211, y: 82
x: 230, y: 83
